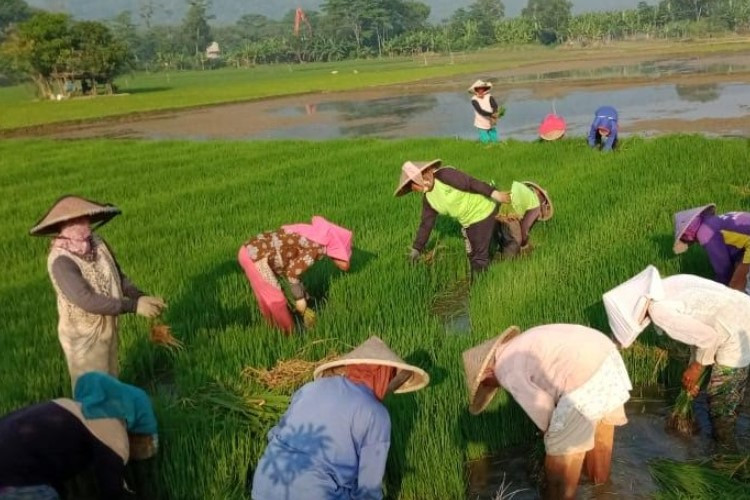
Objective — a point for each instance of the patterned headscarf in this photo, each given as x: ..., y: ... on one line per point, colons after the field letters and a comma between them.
x: 75, y: 237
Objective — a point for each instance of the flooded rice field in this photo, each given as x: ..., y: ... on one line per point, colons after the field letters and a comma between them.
x: 709, y: 96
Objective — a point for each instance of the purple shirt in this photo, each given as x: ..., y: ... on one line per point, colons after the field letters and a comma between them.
x: 725, y: 238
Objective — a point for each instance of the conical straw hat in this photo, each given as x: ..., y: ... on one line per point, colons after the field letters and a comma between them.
x: 373, y: 351
x: 683, y: 219
x: 479, y: 84
x: 410, y: 171
x: 476, y: 361
x: 552, y: 127
x: 547, y: 209
x: 71, y: 207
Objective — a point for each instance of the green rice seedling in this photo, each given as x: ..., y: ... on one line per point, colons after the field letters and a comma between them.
x: 682, y: 418
x: 679, y: 480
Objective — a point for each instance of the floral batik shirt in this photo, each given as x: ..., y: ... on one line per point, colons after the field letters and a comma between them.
x: 288, y: 254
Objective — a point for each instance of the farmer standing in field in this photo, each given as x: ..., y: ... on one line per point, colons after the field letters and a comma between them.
x: 289, y: 252
x: 709, y: 317
x: 473, y: 204
x: 486, y: 111
x: 45, y: 445
x: 91, y: 289
x: 603, y: 130
x: 726, y: 239
x: 571, y: 381
x: 332, y: 443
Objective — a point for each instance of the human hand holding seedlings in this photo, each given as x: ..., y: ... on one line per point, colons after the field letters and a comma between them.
x: 690, y: 378
x: 501, y: 196
x: 150, y: 307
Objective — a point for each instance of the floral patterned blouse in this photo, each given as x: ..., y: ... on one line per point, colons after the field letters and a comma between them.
x: 289, y: 254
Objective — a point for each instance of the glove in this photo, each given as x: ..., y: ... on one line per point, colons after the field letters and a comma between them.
x: 501, y: 196
x: 690, y: 378
x: 309, y: 318
x: 149, y: 307
x: 300, y: 305
x: 413, y: 256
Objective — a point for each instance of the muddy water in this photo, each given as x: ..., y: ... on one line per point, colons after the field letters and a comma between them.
x: 709, y: 96
x: 642, y: 439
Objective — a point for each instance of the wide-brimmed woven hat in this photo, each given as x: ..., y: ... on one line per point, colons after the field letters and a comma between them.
x: 373, y: 351
x: 72, y: 207
x: 476, y: 361
x: 547, y: 209
x: 552, y: 127
x: 479, y: 84
x: 683, y: 219
x: 410, y: 171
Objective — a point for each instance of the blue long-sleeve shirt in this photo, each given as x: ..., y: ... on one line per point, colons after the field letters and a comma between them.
x: 331, y: 444
x: 605, y: 117
x: 726, y: 239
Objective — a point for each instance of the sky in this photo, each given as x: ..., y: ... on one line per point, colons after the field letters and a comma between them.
x: 227, y: 11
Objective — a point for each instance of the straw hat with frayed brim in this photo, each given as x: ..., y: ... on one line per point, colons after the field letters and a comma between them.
x: 373, y: 351
x: 547, y: 209
x: 480, y: 84
x: 682, y: 221
x: 69, y: 208
x: 410, y: 171
x: 476, y: 361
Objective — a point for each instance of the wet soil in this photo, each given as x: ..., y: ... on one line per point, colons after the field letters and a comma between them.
x: 703, y: 94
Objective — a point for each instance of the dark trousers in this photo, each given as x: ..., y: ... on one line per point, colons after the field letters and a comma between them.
x: 479, y: 238
x: 510, y: 237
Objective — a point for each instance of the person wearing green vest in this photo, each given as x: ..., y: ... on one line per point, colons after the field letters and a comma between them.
x: 450, y: 192
x: 528, y: 204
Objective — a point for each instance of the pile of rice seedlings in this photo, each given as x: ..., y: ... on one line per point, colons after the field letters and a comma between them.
x: 723, y: 476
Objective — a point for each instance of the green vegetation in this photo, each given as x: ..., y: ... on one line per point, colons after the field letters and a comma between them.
x: 722, y: 476
x: 173, y: 90
x: 187, y: 207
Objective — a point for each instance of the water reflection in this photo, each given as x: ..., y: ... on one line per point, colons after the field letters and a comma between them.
x: 698, y: 93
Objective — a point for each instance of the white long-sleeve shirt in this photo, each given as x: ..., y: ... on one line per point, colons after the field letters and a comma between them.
x: 707, y: 315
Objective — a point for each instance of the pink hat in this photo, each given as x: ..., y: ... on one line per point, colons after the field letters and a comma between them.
x: 336, y: 239
x: 682, y: 221
x: 411, y: 171
x: 552, y: 127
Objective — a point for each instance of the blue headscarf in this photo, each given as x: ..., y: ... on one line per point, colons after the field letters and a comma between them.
x: 103, y: 396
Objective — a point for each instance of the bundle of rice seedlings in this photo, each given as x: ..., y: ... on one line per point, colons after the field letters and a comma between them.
x: 734, y: 466
x: 161, y: 334
x: 682, y: 418
x: 257, y: 410
x: 288, y: 374
x: 689, y: 480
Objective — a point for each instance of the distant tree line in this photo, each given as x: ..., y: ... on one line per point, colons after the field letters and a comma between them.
x: 50, y: 48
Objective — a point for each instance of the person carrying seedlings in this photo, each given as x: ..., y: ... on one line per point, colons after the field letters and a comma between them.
x: 709, y: 317
x: 288, y: 252
x: 603, y: 130
x: 105, y: 425
x: 529, y: 203
x: 332, y: 443
x: 448, y: 191
x: 486, y: 111
x: 91, y: 289
x: 571, y: 381
x: 726, y: 239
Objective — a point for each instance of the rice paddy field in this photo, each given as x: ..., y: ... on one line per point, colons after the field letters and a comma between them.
x: 187, y: 207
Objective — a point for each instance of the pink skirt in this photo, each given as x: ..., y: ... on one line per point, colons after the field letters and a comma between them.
x: 271, y: 300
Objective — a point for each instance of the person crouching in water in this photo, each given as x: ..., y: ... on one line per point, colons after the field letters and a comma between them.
x: 288, y: 252
x: 92, y: 291
x: 485, y: 111
x: 603, y: 132
x: 528, y: 204
x: 571, y: 381
x: 448, y: 191
x: 105, y: 425
x: 725, y: 238
x: 332, y: 443
x: 709, y: 317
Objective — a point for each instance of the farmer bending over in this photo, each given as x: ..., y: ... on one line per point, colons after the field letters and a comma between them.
x: 91, y: 289
x: 571, y: 381
x: 528, y: 204
x: 289, y: 252
x: 726, y: 239
x: 604, y: 129
x: 107, y: 424
x: 711, y: 318
x: 332, y: 442
x: 485, y: 111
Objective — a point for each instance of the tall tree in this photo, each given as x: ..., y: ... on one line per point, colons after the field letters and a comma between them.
x: 196, y: 32
x: 550, y: 17
x: 11, y: 12
x: 354, y: 16
x: 96, y: 53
